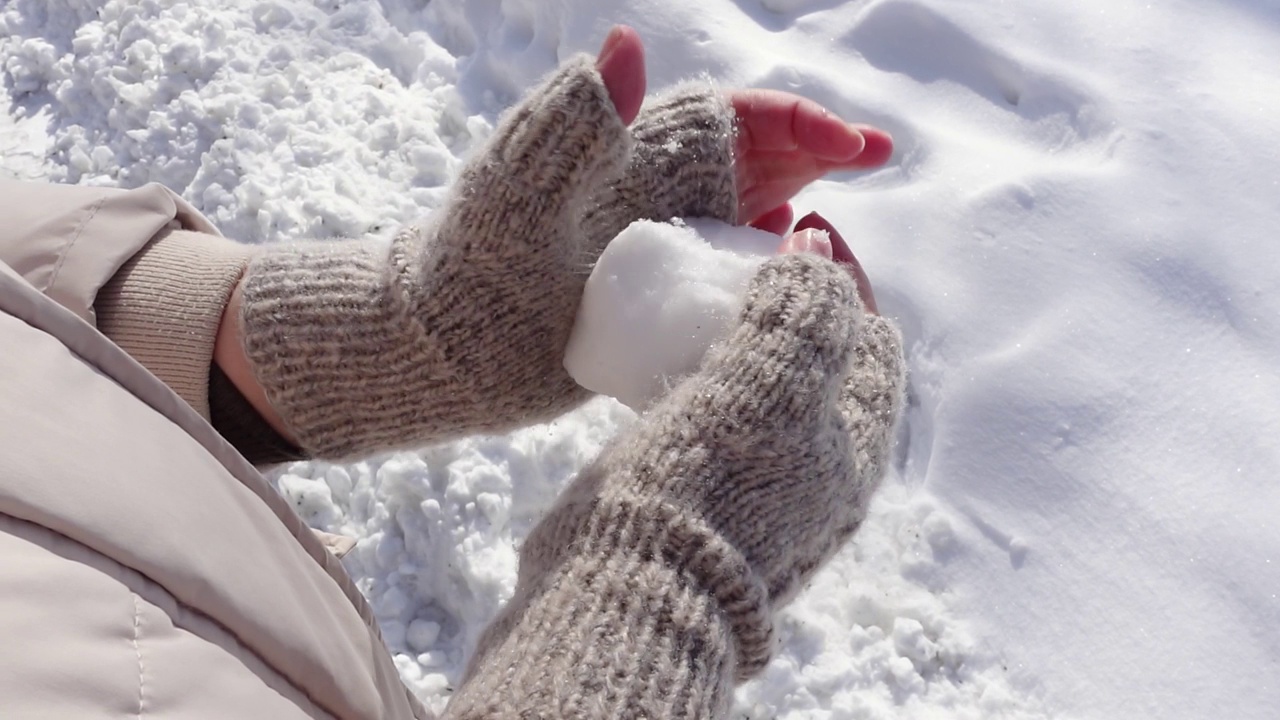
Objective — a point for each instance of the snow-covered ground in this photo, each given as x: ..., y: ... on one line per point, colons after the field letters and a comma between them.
x: 1078, y: 234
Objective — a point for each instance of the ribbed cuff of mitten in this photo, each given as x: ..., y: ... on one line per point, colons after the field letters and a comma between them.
x: 324, y: 345
x: 681, y: 164
x: 606, y: 631
x: 164, y: 307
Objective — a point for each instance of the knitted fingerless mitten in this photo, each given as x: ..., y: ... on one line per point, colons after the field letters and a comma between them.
x: 460, y: 326
x: 650, y: 587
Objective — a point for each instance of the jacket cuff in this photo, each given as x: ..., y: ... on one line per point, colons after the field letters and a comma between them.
x: 165, y: 304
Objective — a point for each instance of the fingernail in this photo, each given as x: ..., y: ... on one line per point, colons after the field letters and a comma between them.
x: 862, y: 141
x: 812, y: 241
x: 812, y: 220
x: 840, y: 250
x: 610, y: 43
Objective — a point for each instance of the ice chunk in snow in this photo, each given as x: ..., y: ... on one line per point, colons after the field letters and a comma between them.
x: 659, y: 296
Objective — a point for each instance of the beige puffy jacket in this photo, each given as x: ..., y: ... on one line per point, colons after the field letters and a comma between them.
x: 146, y: 569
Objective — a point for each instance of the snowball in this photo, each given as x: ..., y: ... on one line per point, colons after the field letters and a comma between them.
x: 659, y: 296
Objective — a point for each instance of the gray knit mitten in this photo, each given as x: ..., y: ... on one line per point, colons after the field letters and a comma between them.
x: 649, y: 589
x: 460, y: 326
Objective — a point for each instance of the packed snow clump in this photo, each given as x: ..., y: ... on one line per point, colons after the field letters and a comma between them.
x: 660, y: 295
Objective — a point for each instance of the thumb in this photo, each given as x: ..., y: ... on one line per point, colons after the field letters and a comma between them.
x: 621, y: 66
x: 843, y: 255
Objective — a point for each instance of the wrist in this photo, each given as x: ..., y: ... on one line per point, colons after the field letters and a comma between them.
x: 230, y: 357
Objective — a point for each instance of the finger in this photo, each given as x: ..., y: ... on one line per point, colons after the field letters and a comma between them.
x: 864, y: 289
x: 755, y: 168
x: 840, y: 249
x: 776, y: 221
x: 877, y: 151
x: 768, y: 178
x: 878, y: 148
x: 777, y: 120
x: 842, y: 254
x: 621, y: 66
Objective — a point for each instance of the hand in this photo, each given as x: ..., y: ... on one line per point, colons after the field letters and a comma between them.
x: 459, y: 326
x: 784, y: 141
x: 732, y: 490
x: 814, y: 234
x: 620, y: 64
x: 678, y: 543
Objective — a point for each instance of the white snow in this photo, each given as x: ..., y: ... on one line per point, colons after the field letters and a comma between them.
x: 1077, y: 234
x: 659, y: 296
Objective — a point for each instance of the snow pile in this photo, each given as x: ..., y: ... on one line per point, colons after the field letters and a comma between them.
x: 276, y: 119
x: 1076, y: 233
x: 876, y: 636
x: 437, y: 531
x: 660, y: 295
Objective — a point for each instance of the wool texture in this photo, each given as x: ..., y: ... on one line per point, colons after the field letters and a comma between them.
x: 648, y: 591
x: 681, y: 166
x: 459, y: 326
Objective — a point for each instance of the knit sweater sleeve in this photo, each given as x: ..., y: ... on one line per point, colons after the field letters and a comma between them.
x: 164, y: 307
